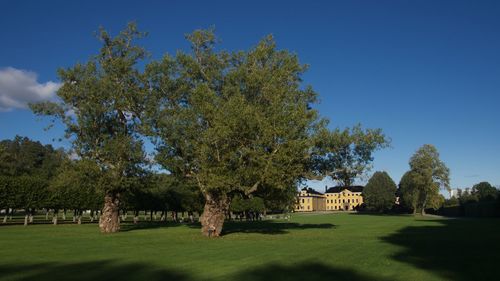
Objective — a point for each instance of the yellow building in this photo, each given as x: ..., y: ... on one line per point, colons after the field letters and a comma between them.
x: 310, y: 200
x: 339, y: 198
x: 343, y: 198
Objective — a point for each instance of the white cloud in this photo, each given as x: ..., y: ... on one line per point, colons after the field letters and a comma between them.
x: 20, y: 87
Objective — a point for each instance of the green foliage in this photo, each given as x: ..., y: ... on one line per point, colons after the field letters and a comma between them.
x: 26, y: 167
x: 347, y: 154
x: 485, y: 191
x: 101, y: 109
x: 30, y: 192
x: 254, y: 204
x: 420, y: 186
x: 409, y: 194
x: 379, y: 193
x: 232, y: 122
x: 78, y: 185
x: 22, y: 156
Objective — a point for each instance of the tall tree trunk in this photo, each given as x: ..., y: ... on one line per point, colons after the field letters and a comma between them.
x: 80, y: 216
x: 109, y: 222
x: 213, y: 215
x: 64, y: 215
x: 136, y: 217
x: 26, y: 219
x: 54, y: 216
x: 6, y: 215
x: 424, y: 204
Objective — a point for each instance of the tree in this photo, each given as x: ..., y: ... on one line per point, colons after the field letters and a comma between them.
x: 379, y: 193
x: 26, y: 166
x: 30, y: 193
x: 347, y: 154
x: 7, y: 198
x: 231, y: 122
x: 426, y: 176
x: 77, y: 186
x: 485, y: 191
x: 100, y: 104
x: 409, y: 194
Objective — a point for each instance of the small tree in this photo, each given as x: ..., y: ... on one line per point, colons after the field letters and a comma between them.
x: 409, y: 194
x: 30, y: 193
x: 380, y: 192
x: 420, y: 186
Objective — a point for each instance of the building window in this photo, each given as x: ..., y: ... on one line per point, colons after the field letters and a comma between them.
x: 303, y: 200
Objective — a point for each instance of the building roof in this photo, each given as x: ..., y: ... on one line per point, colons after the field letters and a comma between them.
x: 338, y: 189
x: 311, y: 191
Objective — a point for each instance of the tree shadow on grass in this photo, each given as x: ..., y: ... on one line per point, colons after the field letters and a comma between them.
x: 269, y: 227
x: 456, y: 249
x: 310, y: 271
x: 112, y: 271
x: 262, y: 227
x: 95, y: 271
x: 148, y: 225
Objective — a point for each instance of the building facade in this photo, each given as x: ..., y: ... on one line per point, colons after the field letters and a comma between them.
x: 339, y: 198
x: 309, y: 200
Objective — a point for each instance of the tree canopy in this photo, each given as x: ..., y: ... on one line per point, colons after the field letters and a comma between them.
x: 428, y: 174
x: 379, y: 193
x: 344, y: 155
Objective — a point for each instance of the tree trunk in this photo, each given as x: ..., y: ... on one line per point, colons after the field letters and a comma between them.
x: 54, y: 216
x: 79, y: 216
x: 64, y: 215
x: 109, y: 222
x: 213, y: 215
x: 6, y: 215
x: 423, y: 205
x: 26, y: 219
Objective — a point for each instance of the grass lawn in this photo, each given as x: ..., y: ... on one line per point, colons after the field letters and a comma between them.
x: 309, y: 247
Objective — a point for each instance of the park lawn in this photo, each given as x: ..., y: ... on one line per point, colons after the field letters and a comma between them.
x: 308, y: 247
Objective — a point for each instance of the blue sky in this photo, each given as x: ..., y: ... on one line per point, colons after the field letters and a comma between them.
x: 423, y: 71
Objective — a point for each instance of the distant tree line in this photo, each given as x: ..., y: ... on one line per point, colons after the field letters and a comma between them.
x: 419, y: 191
x: 482, y: 200
x: 37, y: 178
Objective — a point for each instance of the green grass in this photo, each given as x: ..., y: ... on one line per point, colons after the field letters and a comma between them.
x: 309, y: 247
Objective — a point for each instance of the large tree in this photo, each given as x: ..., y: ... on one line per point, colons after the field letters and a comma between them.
x: 347, y: 154
x: 428, y: 174
x: 232, y: 122
x: 379, y: 193
x: 100, y: 104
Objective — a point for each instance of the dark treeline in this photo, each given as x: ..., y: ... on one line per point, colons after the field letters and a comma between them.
x: 37, y: 178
